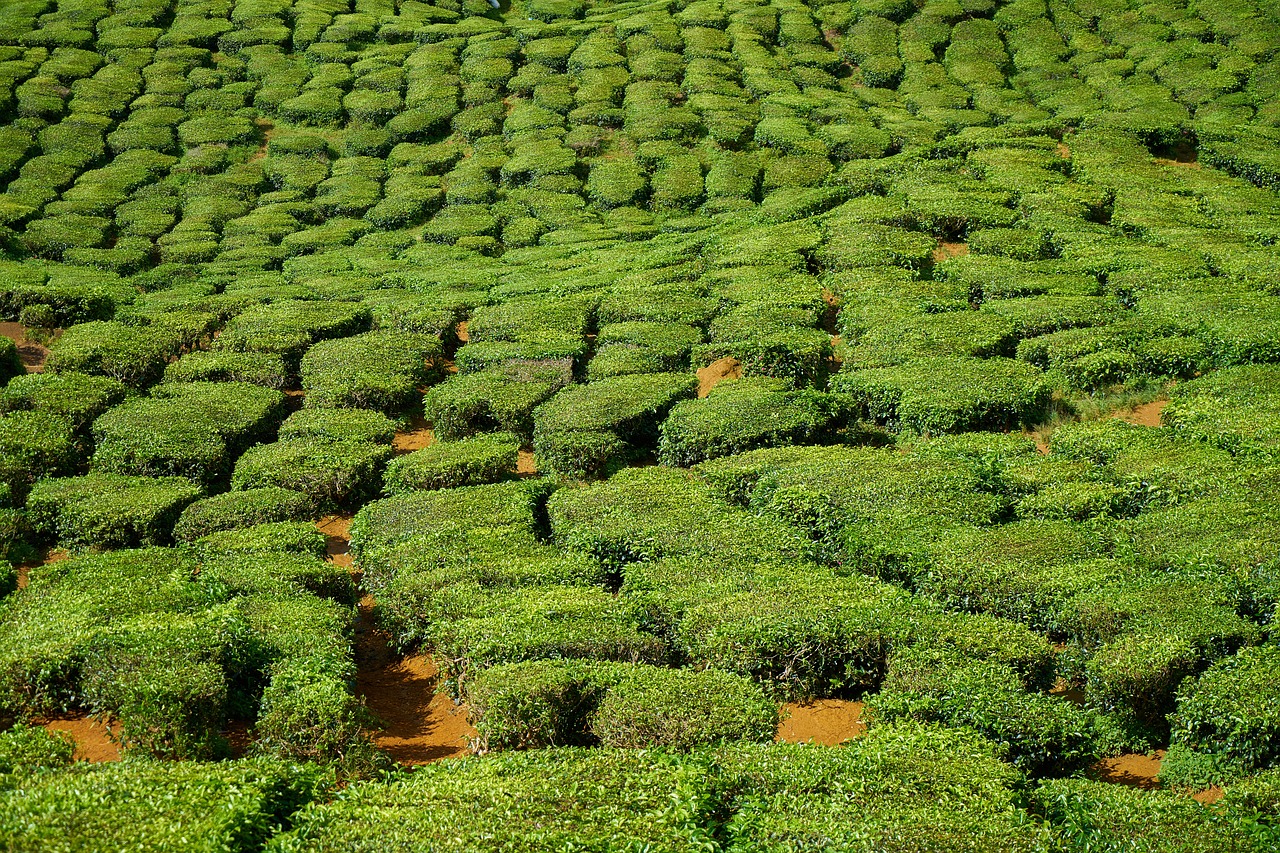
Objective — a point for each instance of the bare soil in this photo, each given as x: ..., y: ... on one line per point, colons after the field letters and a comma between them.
x: 416, y: 437
x: 1183, y: 154
x: 1063, y: 151
x: 526, y: 465
x: 32, y: 354
x: 462, y: 333
x: 53, y: 555
x: 1067, y: 692
x: 829, y: 722
x: 1148, y: 414
x: 337, y: 538
x: 727, y: 368
x: 94, y: 741
x: 1133, y: 770
x: 417, y: 725
x: 947, y: 249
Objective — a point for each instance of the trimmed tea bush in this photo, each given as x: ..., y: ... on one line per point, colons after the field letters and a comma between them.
x: 339, y: 473
x: 484, y: 458
x: 376, y: 370
x: 742, y: 415
x: 235, y: 510
x: 109, y: 510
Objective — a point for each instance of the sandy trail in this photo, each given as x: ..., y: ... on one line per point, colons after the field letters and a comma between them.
x: 32, y: 354
x: 829, y: 722
x: 1147, y: 414
x: 727, y: 368
x: 417, y: 436
x: 93, y: 740
x: 948, y: 249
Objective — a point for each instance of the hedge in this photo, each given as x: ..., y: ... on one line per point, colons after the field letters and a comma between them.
x: 235, y: 510
x: 484, y: 458
x: 378, y: 370
x: 257, y: 368
x: 77, y: 397
x: 157, y: 806
x: 194, y: 430
x: 288, y: 327
x: 581, y: 428
x: 333, y: 473
x: 35, y: 445
x: 134, y: 355
x: 940, y: 395
x: 502, y: 397
x: 339, y: 425
x: 109, y: 510
x: 742, y: 415
x: 551, y: 703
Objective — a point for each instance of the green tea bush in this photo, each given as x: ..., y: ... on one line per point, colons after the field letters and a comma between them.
x: 157, y: 806
x: 265, y: 369
x: 551, y: 703
x: 339, y: 425
x: 595, y: 784
x: 376, y: 370
x: 108, y: 510
x: 580, y: 429
x: 289, y: 327
x: 25, y: 750
x: 337, y: 473
x: 485, y: 458
x: 1228, y: 713
x: 235, y: 510
x: 273, y: 537
x: 502, y: 397
x: 134, y: 355
x: 1233, y: 409
x: 742, y: 415
x: 194, y: 430
x: 76, y: 397
x: 940, y: 395
x: 34, y: 445
x: 1039, y: 734
x: 540, y: 623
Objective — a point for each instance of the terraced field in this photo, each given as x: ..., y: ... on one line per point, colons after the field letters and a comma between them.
x: 730, y: 425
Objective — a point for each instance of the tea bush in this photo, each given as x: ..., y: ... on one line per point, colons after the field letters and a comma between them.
x: 194, y: 430
x: 236, y: 510
x: 109, y: 510
x: 484, y: 458
x: 743, y: 415
x: 339, y: 425
x: 376, y: 370
x: 333, y: 473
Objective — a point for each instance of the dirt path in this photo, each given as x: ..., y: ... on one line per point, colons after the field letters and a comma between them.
x: 526, y: 465
x: 727, y: 368
x: 1132, y: 770
x: 32, y: 354
x: 948, y: 249
x: 1148, y: 414
x: 418, y: 725
x: 417, y: 436
x: 829, y: 722
x: 93, y: 740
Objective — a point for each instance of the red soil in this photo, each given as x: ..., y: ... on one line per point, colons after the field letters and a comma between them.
x: 1132, y: 770
x: 32, y: 354
x: 462, y: 333
x: 947, y: 249
x: 829, y: 722
x: 716, y: 372
x: 337, y: 538
x: 1063, y: 151
x: 417, y: 724
x: 94, y: 741
x: 53, y: 555
x: 1148, y: 414
x: 416, y: 437
x: 526, y: 465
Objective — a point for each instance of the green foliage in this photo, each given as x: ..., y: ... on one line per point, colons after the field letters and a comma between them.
x: 235, y: 510
x: 157, y: 806
x: 940, y: 395
x: 134, y: 355
x: 333, y: 473
x: 109, y: 510
x: 194, y: 430
x: 582, y: 428
x: 339, y: 425
x: 485, y: 458
x: 378, y: 370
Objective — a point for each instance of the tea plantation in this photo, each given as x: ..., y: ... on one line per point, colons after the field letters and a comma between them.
x: 678, y: 366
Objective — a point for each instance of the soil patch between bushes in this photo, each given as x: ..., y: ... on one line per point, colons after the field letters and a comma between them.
x: 1147, y: 415
x: 727, y: 368
x: 417, y: 436
x: 829, y: 722
x: 32, y: 354
x: 94, y: 740
x: 416, y: 724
